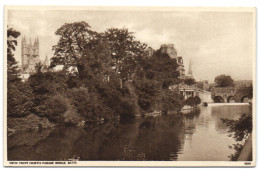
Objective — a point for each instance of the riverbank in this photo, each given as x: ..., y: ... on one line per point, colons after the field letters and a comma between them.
x: 28, y: 123
x: 246, y: 152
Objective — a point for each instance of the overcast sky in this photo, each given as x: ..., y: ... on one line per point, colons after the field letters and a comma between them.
x: 216, y: 42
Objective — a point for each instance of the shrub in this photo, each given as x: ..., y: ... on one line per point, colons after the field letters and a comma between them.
x: 56, y: 106
x: 88, y: 104
x: 147, y: 91
x: 43, y: 86
x: 126, y: 110
x: 192, y: 101
x: 197, y: 100
x: 71, y: 116
x: 19, y: 100
x: 189, y: 81
x: 189, y: 101
x: 171, y: 101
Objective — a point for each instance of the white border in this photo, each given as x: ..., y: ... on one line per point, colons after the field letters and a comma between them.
x: 230, y: 3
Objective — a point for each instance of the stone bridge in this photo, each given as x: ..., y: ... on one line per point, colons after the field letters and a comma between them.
x: 229, y: 94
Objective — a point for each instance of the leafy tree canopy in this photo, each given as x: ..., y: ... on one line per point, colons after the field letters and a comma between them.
x: 189, y: 81
x: 12, y: 68
x: 224, y: 81
x: 162, y: 68
x: 126, y: 52
x: 193, y: 101
x: 80, y: 47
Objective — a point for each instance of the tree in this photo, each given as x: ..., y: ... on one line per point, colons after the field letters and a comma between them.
x: 170, y: 101
x: 197, y: 100
x: 189, y: 81
x: 43, y: 86
x: 57, y: 106
x: 192, y: 101
x: 12, y: 68
x: 126, y: 52
x: 189, y: 101
x: 147, y: 91
x: 89, y: 104
x: 162, y: 68
x: 224, y: 81
x: 81, y: 48
x: 19, y: 99
x: 18, y: 94
x: 152, y: 82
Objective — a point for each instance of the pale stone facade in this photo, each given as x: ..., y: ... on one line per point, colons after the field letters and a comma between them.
x: 30, y: 56
x: 191, y: 91
x: 170, y: 50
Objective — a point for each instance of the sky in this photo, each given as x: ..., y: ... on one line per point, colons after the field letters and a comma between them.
x: 215, y: 42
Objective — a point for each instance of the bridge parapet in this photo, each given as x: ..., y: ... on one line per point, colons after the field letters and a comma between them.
x: 223, y: 93
x: 227, y: 93
x: 223, y: 89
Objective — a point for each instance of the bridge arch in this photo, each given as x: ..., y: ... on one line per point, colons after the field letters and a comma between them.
x: 231, y: 99
x: 244, y: 99
x: 218, y: 99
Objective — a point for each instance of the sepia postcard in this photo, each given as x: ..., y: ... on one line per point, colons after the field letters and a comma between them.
x: 129, y: 86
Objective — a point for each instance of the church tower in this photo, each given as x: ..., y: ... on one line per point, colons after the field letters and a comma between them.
x: 36, y: 47
x: 24, y: 52
x: 30, y: 54
x: 46, y: 61
x: 190, y: 74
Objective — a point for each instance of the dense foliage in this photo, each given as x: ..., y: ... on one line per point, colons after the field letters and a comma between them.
x: 239, y: 129
x: 224, y: 81
x: 19, y: 100
x: 192, y: 101
x: 12, y: 68
x: 18, y: 103
x: 105, y: 76
x: 189, y: 81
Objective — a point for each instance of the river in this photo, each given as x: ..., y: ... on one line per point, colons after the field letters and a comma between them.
x: 195, y: 136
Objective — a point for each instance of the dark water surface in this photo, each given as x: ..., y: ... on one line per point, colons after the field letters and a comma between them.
x: 195, y: 136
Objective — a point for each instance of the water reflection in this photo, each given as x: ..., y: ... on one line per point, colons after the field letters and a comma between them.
x: 210, y: 141
x: 227, y: 112
x: 198, y: 135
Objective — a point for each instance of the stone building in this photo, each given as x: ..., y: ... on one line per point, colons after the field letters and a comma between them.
x: 149, y: 51
x: 172, y: 52
x: 30, y: 56
x: 191, y: 91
